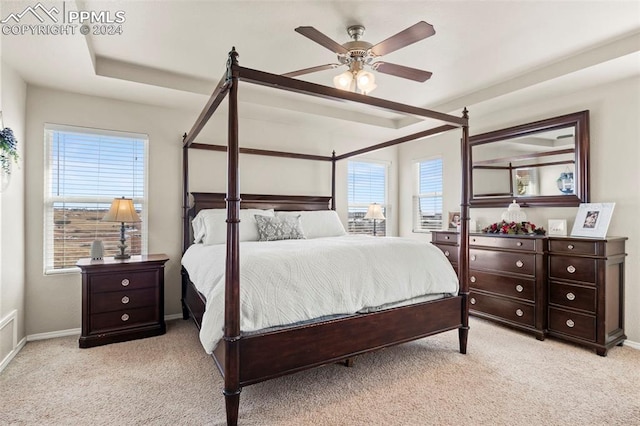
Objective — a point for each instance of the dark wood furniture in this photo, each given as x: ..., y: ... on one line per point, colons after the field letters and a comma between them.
x: 449, y: 243
x: 573, y: 128
x: 246, y: 359
x: 122, y: 299
x: 586, y: 291
x: 507, y: 280
x: 571, y: 288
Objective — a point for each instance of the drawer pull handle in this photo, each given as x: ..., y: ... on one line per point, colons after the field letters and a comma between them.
x: 125, y: 317
x: 519, y: 243
x: 571, y: 296
x: 519, y: 288
x: 473, y: 240
x: 570, y: 246
x: 519, y: 264
x: 446, y: 237
x: 473, y: 300
x: 571, y: 269
x: 125, y: 282
x: 570, y: 323
x: 519, y: 312
x: 446, y: 253
x: 472, y: 279
x: 473, y: 257
x: 125, y: 300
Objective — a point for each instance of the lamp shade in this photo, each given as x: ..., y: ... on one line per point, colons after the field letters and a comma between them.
x: 121, y: 210
x: 374, y: 212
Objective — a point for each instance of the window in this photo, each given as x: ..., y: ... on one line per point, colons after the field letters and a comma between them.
x: 427, y: 203
x: 367, y: 183
x: 85, y: 170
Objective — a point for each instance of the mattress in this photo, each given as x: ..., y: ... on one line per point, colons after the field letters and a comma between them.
x: 291, y: 281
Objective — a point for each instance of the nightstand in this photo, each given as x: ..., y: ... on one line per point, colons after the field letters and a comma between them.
x: 122, y: 299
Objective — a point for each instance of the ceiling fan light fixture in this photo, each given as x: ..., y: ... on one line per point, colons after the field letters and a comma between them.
x: 366, y: 81
x: 343, y: 81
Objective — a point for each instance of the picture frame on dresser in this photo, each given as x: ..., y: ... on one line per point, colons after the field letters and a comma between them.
x: 557, y: 227
x: 592, y: 220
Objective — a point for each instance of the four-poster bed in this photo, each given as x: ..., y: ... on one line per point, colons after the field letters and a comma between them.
x: 247, y: 358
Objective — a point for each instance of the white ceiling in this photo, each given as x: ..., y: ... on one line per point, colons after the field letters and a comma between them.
x: 172, y: 53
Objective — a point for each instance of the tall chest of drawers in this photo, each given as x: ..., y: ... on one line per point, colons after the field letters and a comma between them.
x: 122, y: 299
x: 586, y: 291
x: 507, y: 277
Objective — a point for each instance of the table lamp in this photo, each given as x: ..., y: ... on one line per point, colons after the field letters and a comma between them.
x: 122, y: 211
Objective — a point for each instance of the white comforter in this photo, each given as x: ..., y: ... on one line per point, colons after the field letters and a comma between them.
x: 284, y: 282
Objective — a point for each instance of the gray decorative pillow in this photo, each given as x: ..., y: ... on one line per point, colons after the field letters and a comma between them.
x: 279, y: 228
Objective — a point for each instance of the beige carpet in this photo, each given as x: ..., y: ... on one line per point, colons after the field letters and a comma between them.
x: 507, y: 378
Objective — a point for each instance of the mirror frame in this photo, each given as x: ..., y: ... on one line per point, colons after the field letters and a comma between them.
x: 580, y: 122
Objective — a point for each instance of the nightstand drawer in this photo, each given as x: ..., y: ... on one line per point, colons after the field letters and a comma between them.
x: 446, y: 237
x: 511, y: 243
x: 521, y: 313
x: 573, y: 324
x: 129, y: 280
x: 573, y: 247
x: 519, y: 263
x: 571, y: 296
x: 127, y: 299
x: 573, y: 268
x: 123, y: 319
x: 451, y: 252
x: 507, y: 286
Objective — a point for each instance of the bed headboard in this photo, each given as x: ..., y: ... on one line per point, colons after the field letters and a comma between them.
x: 216, y: 200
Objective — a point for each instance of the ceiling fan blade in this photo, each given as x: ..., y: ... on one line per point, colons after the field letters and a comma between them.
x: 315, y: 35
x: 402, y: 71
x: 414, y: 33
x: 310, y: 70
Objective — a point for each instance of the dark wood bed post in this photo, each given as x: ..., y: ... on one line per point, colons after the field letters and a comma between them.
x: 333, y: 180
x: 463, y: 256
x: 232, y: 278
x: 186, y: 228
x: 185, y: 196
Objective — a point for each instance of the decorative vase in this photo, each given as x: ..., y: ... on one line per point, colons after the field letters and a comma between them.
x: 97, y: 250
x: 514, y: 214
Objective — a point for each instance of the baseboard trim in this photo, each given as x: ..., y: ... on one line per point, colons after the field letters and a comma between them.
x: 632, y: 344
x: 76, y: 331
x: 7, y: 359
x: 53, y: 334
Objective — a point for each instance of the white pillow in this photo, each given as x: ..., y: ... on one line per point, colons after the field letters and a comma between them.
x: 210, y: 226
x: 319, y: 223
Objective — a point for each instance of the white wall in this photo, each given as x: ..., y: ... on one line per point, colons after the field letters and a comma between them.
x: 53, y: 302
x: 615, y: 175
x: 12, y: 220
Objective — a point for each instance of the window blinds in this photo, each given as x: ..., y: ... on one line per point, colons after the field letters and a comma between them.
x: 85, y: 170
x: 427, y: 203
x: 366, y: 184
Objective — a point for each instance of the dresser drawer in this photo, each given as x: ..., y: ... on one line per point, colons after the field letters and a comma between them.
x: 451, y: 252
x: 127, y: 299
x: 519, y: 312
x: 511, y: 243
x: 521, y: 288
x: 573, y: 324
x: 123, y: 280
x: 446, y: 237
x: 123, y: 319
x: 573, y: 247
x: 571, y: 296
x: 572, y: 268
x: 519, y: 263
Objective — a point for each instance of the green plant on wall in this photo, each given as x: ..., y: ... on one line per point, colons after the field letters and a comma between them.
x: 8, y: 149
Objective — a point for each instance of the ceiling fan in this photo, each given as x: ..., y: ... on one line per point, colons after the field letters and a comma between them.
x: 358, y: 53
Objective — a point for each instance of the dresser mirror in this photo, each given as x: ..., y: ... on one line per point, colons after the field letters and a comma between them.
x: 544, y: 163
